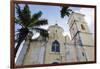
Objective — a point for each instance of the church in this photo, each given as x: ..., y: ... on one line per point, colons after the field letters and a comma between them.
x: 58, y: 48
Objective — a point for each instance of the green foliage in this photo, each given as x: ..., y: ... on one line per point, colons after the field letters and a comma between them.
x: 28, y: 21
x: 25, y: 19
x: 65, y: 11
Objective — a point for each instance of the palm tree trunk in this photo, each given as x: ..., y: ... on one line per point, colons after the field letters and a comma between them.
x: 22, y: 35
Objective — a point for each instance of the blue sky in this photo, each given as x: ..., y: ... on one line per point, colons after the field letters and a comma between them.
x: 52, y: 14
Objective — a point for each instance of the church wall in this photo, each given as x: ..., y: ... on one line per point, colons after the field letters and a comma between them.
x: 75, y: 53
x: 70, y: 53
x: 79, y: 53
x: 89, y: 50
x: 34, y: 54
x: 87, y: 39
x: 52, y: 56
x: 55, y: 34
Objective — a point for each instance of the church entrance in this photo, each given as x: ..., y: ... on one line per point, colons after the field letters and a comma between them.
x: 55, y: 63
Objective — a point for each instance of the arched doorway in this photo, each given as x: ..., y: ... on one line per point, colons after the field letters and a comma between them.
x: 55, y: 63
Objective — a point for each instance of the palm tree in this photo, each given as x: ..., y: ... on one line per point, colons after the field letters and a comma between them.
x: 27, y: 22
x: 65, y: 11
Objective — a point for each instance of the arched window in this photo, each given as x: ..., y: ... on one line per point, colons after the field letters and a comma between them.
x: 55, y: 63
x: 55, y: 46
x: 83, y: 28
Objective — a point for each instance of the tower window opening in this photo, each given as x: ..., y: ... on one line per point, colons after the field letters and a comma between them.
x: 82, y: 27
x: 56, y: 31
x: 82, y: 53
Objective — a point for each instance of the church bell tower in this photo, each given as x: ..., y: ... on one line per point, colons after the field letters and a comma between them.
x: 81, y: 37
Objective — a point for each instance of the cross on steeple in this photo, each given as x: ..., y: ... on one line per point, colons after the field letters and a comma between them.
x: 56, y: 23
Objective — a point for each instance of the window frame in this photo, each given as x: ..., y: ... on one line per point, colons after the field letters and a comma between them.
x: 55, y: 46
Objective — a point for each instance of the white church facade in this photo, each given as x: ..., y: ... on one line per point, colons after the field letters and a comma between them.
x: 58, y: 48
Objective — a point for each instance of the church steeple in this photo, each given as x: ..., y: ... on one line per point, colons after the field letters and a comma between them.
x: 79, y: 29
x: 81, y: 37
x: 55, y: 48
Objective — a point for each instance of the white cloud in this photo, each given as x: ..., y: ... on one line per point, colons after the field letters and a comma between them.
x: 36, y: 35
x: 44, y: 26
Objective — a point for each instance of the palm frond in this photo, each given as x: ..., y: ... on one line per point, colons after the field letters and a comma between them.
x: 27, y: 21
x: 39, y: 22
x: 36, y: 16
x: 18, y: 21
x: 65, y: 11
x: 18, y: 11
x: 26, y: 15
x: 20, y: 37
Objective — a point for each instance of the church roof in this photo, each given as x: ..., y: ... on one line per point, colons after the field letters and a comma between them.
x: 56, y: 25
